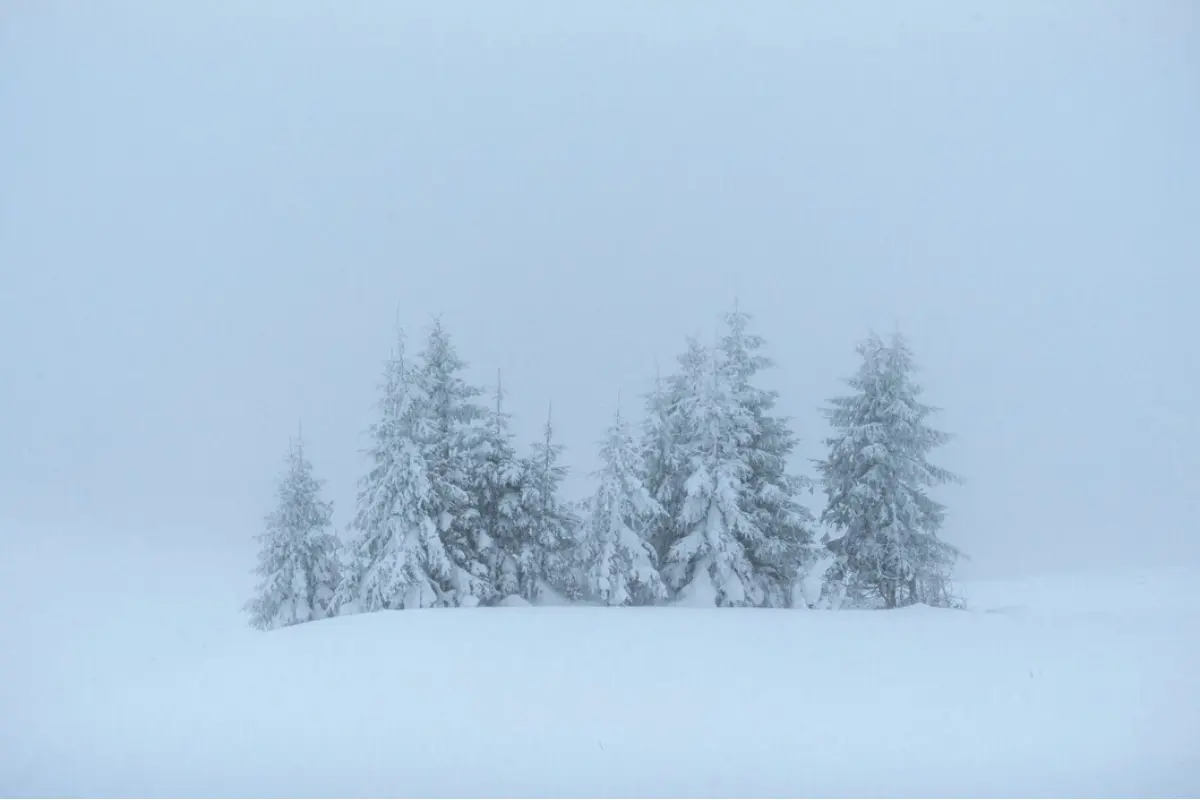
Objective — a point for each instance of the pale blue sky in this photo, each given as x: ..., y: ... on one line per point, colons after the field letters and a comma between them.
x: 211, y: 212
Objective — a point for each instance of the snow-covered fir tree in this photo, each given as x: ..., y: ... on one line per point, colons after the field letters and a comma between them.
x: 734, y: 531
x: 669, y: 430
x: 708, y: 561
x: 662, y: 461
x: 547, y: 559
x: 297, y: 563
x: 770, y: 495
x: 876, y: 478
x: 396, y: 558
x: 452, y: 433
x: 621, y: 561
x: 497, y: 478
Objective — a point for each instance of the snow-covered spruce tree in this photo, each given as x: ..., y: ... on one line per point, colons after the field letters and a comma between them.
x: 875, y: 479
x: 669, y: 430
x: 497, y: 478
x: 297, y: 563
x: 547, y: 557
x: 662, y: 462
x: 770, y: 496
x: 575, y: 562
x: 621, y: 562
x: 396, y: 558
x: 452, y: 432
x: 708, y: 559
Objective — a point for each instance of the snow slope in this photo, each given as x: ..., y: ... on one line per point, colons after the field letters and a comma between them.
x: 1041, y: 689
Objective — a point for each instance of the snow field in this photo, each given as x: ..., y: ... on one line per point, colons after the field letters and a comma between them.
x: 1062, y: 687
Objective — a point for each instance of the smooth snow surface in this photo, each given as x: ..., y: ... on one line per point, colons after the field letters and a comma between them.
x: 1060, y: 687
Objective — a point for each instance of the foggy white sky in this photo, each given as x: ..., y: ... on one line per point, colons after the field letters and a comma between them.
x: 209, y: 215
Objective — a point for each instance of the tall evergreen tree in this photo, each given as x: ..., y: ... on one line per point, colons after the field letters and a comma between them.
x: 297, y: 563
x: 734, y: 531
x: 548, y: 554
x: 770, y: 495
x: 397, y: 558
x: 876, y: 478
x: 497, y: 489
x: 662, y: 460
x: 621, y: 569
x: 709, y: 560
x: 668, y: 433
x: 452, y: 434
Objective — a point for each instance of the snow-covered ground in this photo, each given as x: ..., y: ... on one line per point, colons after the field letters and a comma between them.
x: 128, y: 671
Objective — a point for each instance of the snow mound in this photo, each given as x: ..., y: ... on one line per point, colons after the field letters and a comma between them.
x: 648, y: 701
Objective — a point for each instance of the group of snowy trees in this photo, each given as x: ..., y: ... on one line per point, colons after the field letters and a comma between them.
x: 700, y: 508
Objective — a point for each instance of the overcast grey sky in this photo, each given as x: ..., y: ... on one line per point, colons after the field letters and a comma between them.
x: 211, y: 212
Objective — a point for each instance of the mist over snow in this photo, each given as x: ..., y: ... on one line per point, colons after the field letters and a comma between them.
x: 214, y: 217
